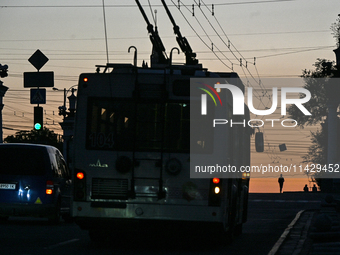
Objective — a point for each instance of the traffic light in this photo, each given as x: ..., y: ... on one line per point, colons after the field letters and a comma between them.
x: 38, y: 118
x: 3, y: 71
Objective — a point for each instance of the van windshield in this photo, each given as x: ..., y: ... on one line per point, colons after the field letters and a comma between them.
x: 21, y: 160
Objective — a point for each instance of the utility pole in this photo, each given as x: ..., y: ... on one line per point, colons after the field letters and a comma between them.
x: 3, y: 89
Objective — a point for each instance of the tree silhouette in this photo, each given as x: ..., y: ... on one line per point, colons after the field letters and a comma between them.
x: 335, y: 27
x: 44, y: 136
x: 315, y: 81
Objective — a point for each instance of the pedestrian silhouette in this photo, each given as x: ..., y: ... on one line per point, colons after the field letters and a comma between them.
x: 281, y: 180
x: 305, y: 188
x: 314, y: 189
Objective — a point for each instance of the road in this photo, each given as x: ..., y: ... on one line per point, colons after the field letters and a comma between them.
x: 269, y: 215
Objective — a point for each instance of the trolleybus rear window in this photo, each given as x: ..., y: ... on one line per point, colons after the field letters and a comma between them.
x: 116, y: 124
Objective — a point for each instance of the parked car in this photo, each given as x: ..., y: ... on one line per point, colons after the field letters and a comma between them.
x: 34, y: 181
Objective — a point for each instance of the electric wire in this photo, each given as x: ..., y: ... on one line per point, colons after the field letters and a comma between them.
x: 201, y: 37
x: 271, y: 153
x: 133, y: 6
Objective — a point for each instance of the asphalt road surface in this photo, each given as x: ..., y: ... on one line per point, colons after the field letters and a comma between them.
x: 269, y: 215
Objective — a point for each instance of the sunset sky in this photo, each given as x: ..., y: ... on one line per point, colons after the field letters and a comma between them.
x: 284, y: 37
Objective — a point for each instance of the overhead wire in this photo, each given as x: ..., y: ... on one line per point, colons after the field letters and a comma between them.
x: 271, y: 153
x: 200, y: 37
x: 229, y: 42
x: 133, y: 6
x: 215, y: 46
x: 259, y: 97
x: 212, y: 43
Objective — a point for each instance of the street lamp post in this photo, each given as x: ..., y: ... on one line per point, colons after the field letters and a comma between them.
x: 68, y: 121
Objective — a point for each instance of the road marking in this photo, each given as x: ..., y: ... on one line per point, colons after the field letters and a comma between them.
x: 60, y: 244
x: 286, y: 201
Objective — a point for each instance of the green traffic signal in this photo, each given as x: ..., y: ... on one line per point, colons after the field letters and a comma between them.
x: 38, y: 118
x: 37, y: 126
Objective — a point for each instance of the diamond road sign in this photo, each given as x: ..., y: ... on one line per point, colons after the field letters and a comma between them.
x: 38, y: 96
x: 38, y: 59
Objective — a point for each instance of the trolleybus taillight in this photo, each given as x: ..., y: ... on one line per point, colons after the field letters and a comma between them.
x: 216, y: 180
x: 215, y: 192
x: 80, y: 175
x: 79, y: 186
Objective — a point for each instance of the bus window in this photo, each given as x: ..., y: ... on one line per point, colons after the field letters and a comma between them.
x: 109, y: 124
x: 116, y: 124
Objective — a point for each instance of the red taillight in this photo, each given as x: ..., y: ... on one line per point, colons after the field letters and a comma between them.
x: 49, y: 187
x: 215, y: 192
x: 85, y: 79
x: 216, y: 180
x: 79, y: 186
x: 80, y: 175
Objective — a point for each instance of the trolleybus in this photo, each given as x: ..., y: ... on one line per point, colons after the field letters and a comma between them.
x: 131, y: 152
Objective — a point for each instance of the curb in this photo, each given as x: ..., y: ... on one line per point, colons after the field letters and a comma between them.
x: 285, y: 234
